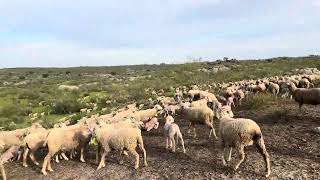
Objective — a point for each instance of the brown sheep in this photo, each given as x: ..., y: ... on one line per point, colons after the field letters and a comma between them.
x: 305, y: 96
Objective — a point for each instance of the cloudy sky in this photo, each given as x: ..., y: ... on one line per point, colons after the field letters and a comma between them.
x: 61, y: 33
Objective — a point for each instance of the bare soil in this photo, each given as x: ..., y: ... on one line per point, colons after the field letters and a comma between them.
x: 294, y: 150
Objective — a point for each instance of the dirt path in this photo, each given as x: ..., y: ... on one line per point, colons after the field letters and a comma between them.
x: 294, y: 150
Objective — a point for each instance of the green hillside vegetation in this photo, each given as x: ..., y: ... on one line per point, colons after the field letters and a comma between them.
x: 22, y: 89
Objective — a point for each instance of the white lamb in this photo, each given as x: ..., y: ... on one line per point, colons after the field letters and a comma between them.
x: 171, y: 130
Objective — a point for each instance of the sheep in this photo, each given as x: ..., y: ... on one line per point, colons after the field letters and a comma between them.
x: 171, y: 109
x: 199, y: 103
x: 11, y: 138
x: 274, y: 88
x: 304, y: 83
x: 145, y: 115
x: 199, y: 115
x: 32, y: 143
x: 239, y: 95
x: 122, y: 140
x: 305, y: 96
x: 66, y: 139
x: 230, y: 101
x: 6, y: 156
x: 68, y: 88
x: 151, y: 124
x: 83, y: 111
x: 171, y: 130
x: 239, y: 133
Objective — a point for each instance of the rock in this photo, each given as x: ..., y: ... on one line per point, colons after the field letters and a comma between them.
x: 317, y: 130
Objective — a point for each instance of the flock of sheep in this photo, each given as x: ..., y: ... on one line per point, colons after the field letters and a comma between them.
x: 121, y: 130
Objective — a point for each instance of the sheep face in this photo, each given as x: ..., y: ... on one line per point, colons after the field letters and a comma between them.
x: 169, y: 120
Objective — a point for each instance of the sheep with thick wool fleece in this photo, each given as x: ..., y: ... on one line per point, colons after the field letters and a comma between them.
x: 239, y: 133
x: 68, y: 138
x: 199, y: 115
x: 121, y: 139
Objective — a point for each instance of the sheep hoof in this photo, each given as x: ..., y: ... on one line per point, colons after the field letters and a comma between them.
x: 44, y: 173
x: 268, y: 174
x: 136, y: 167
x: 25, y: 165
x: 146, y: 164
x: 50, y: 169
x: 37, y: 164
x: 82, y: 160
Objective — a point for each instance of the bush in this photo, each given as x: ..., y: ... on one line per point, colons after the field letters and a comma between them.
x: 46, y: 75
x: 66, y: 103
x: 22, y: 77
x: 28, y: 94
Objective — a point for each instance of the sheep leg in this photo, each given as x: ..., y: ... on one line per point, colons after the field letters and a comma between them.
x: 189, y: 128
x: 140, y: 142
x: 212, y: 130
x: 64, y: 156
x: 25, y: 156
x: 57, y: 159
x: 45, y: 164
x: 242, y: 156
x: 33, y: 158
x: 229, y: 154
x: 19, y: 156
x: 121, y: 157
x: 262, y: 150
x: 223, y: 157
x: 177, y: 138
x: 167, y: 142
x: 103, y: 157
x: 81, y: 155
x: 136, y: 155
x: 223, y: 150
x: 98, y: 154
x: 182, y: 142
x: 3, y: 172
x: 49, y: 165
x: 173, y: 143
x: 194, y: 132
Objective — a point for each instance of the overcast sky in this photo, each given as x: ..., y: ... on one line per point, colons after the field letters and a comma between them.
x: 64, y: 33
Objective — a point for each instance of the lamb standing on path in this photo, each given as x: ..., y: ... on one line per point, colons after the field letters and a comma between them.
x: 171, y: 130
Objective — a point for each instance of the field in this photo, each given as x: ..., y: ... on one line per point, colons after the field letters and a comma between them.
x: 293, y: 147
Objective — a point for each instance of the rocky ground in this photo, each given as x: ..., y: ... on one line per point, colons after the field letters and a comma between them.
x: 294, y: 150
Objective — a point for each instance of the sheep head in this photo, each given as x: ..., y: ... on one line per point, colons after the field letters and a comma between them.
x: 169, y: 119
x: 151, y: 124
x: 224, y: 112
